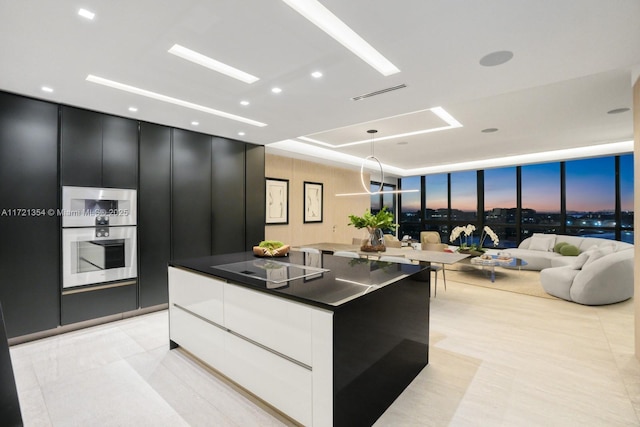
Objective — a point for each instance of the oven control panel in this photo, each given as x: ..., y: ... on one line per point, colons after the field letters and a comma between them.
x: 102, y: 231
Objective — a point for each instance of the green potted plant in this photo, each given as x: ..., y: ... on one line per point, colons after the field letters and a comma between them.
x: 375, y: 225
x: 271, y: 248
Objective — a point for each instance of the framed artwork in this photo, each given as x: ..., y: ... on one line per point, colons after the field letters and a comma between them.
x: 277, y: 201
x: 312, y: 202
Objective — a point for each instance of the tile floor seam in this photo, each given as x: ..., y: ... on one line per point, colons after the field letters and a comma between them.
x: 205, y: 398
x: 621, y: 375
x: 196, y: 366
x: 187, y: 385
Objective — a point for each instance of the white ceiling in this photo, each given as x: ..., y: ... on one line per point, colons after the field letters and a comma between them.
x: 573, y: 62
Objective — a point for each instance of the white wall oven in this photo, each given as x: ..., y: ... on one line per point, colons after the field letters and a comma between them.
x: 98, y: 235
x: 89, y: 206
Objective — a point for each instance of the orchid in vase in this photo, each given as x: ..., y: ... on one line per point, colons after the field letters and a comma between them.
x: 465, y: 237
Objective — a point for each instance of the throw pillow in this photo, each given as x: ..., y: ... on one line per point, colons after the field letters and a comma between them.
x: 558, y: 246
x: 569, y: 250
x: 580, y: 260
x: 598, y: 253
x: 540, y: 242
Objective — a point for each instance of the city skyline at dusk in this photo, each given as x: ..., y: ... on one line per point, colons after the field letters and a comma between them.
x: 590, y: 187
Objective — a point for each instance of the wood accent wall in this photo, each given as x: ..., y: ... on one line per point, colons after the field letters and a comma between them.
x: 333, y: 227
x: 636, y: 207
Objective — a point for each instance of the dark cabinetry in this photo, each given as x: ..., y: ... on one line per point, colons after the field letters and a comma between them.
x: 191, y: 195
x: 98, y: 150
x: 227, y: 184
x: 119, y: 152
x: 154, y: 213
x: 80, y: 306
x: 254, y: 195
x: 29, y: 246
x: 197, y: 195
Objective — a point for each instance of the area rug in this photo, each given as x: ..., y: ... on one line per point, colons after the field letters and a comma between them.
x: 517, y: 281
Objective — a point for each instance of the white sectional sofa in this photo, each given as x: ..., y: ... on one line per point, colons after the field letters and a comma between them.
x: 601, y: 274
x: 540, y: 255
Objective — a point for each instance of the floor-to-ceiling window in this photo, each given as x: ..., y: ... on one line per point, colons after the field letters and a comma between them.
x: 410, y: 219
x: 463, y: 190
x: 541, y: 200
x: 380, y: 200
x: 464, y: 196
x: 436, y: 203
x: 626, y: 198
x: 591, y: 197
x: 383, y: 199
x: 586, y: 197
x: 500, y: 204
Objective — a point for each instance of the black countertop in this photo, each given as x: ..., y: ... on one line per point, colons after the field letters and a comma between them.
x: 337, y: 281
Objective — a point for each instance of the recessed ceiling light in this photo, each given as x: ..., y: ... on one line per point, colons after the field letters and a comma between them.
x: 489, y: 130
x: 241, y: 133
x: 133, y: 109
x: 496, y: 58
x: 316, y: 74
x: 322, y: 17
x: 276, y: 90
x: 46, y: 89
x: 168, y: 99
x: 86, y: 14
x: 195, y: 123
x: 212, y: 64
x: 245, y: 103
x: 618, y: 110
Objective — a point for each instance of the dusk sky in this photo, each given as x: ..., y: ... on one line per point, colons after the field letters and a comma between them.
x: 590, y: 186
x: 541, y: 187
x: 500, y: 188
x: 464, y: 194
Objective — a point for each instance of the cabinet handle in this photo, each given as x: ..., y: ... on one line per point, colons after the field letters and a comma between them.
x: 98, y: 288
x: 247, y: 339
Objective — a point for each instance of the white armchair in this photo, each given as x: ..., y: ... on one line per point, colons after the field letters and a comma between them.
x: 605, y: 280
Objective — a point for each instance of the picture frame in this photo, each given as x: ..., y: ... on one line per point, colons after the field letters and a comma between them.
x: 313, y: 202
x: 276, y: 201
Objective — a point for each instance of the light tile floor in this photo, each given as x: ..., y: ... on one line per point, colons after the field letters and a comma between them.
x: 496, y: 359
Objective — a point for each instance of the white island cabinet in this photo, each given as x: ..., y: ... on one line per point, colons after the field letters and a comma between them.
x: 328, y: 341
x: 277, y: 349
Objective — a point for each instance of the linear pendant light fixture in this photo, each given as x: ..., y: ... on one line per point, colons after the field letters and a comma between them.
x: 368, y: 192
x: 212, y: 64
x: 322, y: 17
x: 164, y: 98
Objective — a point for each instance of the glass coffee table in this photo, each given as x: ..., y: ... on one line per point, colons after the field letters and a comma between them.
x: 496, y: 261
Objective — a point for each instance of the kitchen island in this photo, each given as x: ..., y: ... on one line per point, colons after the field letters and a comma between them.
x: 326, y: 340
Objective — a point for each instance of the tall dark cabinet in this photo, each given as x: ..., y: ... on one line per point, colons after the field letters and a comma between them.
x: 197, y: 195
x: 119, y: 152
x: 254, y: 195
x: 191, y: 194
x: 98, y: 150
x: 154, y: 213
x: 29, y: 242
x: 81, y: 135
x: 228, y: 204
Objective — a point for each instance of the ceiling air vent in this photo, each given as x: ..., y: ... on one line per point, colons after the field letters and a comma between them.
x: 378, y: 92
